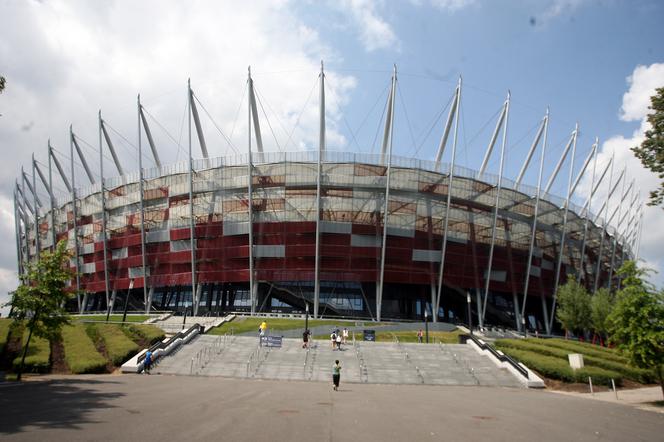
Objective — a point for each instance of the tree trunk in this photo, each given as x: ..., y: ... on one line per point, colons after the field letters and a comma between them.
x: 25, y: 350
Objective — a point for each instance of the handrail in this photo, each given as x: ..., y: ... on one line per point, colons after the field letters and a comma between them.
x: 164, y: 344
x: 500, y: 356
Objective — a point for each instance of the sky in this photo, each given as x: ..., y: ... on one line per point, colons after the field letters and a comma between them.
x: 591, y: 62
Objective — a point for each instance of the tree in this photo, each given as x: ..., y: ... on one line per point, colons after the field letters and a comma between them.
x: 2, y: 83
x: 41, y: 297
x: 601, y: 305
x: 636, y: 324
x: 651, y: 151
x: 573, y: 311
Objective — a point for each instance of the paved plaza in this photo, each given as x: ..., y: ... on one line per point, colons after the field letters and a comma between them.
x: 364, y: 362
x: 161, y: 408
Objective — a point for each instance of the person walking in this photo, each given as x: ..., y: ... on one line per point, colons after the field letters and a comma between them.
x: 305, y: 339
x: 333, y: 339
x: 345, y: 334
x: 419, y: 336
x: 147, y: 363
x: 338, y: 342
x: 336, y: 374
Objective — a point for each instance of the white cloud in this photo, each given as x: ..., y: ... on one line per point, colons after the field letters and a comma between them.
x: 642, y: 84
x: 557, y: 8
x: 65, y: 60
x: 451, y: 5
x: 375, y: 32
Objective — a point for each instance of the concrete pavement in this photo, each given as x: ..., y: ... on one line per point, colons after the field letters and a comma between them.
x: 139, y: 407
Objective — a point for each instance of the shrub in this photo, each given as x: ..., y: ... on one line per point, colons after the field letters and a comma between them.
x: 589, y: 349
x: 541, y: 346
x: 556, y: 368
x: 118, y: 346
x: 80, y: 353
x: 150, y: 333
x: 38, y: 359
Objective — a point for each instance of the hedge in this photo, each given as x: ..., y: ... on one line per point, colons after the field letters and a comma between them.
x: 38, y: 359
x: 556, y: 368
x: 80, y: 352
x: 541, y: 347
x: 118, y: 346
x: 586, y: 349
x: 605, y: 358
x: 151, y: 333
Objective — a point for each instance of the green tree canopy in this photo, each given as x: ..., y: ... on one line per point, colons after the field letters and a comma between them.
x: 43, y: 293
x: 573, y: 311
x: 636, y: 324
x: 651, y: 151
x: 601, y: 305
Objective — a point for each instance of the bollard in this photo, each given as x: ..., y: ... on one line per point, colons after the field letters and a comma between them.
x: 613, y: 384
x: 590, y: 382
x: 191, y: 367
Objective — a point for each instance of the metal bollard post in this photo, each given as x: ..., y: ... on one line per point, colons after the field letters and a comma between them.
x: 590, y: 382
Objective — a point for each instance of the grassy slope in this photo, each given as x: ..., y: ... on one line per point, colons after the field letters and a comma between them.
x: 118, y: 346
x: 112, y: 318
x: 38, y: 359
x: 549, y: 357
x: 4, y: 332
x: 148, y: 332
x: 243, y: 325
x: 81, y: 355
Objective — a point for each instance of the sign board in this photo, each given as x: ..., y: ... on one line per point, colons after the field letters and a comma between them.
x: 272, y: 341
x: 369, y: 335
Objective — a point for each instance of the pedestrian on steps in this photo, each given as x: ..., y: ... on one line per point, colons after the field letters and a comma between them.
x: 338, y: 339
x: 336, y: 375
x: 147, y: 363
x: 333, y: 339
x: 305, y: 339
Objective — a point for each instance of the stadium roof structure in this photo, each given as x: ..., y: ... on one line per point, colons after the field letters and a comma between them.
x: 322, y: 227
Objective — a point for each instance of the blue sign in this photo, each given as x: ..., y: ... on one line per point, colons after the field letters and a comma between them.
x: 271, y: 341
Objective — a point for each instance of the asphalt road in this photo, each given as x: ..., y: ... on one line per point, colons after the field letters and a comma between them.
x: 165, y: 408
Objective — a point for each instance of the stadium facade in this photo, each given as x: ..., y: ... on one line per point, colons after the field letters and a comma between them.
x: 353, y: 235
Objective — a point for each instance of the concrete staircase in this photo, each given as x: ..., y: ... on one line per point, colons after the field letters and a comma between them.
x: 364, y: 362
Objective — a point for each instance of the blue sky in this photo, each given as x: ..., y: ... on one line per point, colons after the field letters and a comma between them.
x: 592, y: 62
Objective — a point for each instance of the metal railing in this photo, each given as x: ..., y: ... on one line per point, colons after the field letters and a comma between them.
x: 210, y: 352
x: 502, y: 357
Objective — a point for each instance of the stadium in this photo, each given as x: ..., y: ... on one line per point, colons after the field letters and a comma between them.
x: 338, y: 234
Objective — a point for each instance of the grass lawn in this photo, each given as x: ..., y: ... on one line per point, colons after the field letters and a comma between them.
x: 4, y: 332
x: 246, y: 324
x: 111, y: 318
x: 549, y: 357
x: 118, y: 346
x: 409, y: 336
x: 38, y: 359
x: 81, y: 355
x: 148, y: 332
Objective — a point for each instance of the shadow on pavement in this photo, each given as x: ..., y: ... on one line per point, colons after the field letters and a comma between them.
x: 59, y: 403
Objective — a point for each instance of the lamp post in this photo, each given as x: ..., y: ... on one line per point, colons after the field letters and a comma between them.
x: 131, y: 286
x: 470, y: 317
x: 426, y: 324
x: 306, y: 317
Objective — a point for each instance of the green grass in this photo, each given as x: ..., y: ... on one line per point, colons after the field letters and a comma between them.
x: 81, y: 355
x: 592, y: 359
x: 150, y: 333
x: 244, y: 325
x: 587, y: 349
x: 38, y: 359
x: 118, y: 346
x: 111, y: 318
x: 549, y: 357
x: 411, y: 336
x: 4, y: 333
x: 556, y: 368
